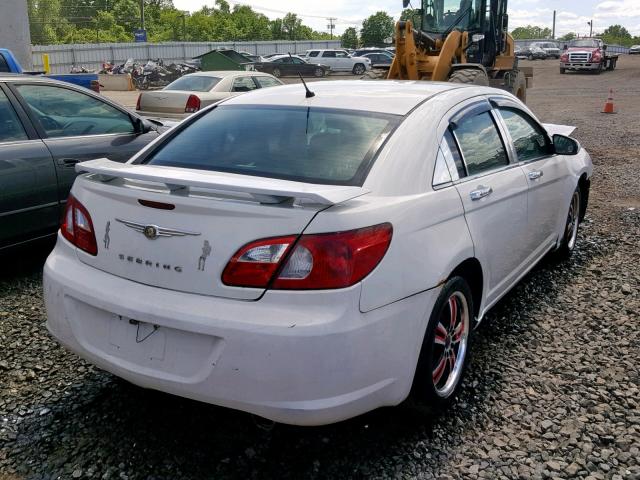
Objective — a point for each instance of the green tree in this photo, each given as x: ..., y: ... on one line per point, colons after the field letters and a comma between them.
x: 567, y: 37
x: 617, y: 34
x: 349, y: 38
x: 291, y: 25
x: 376, y: 29
x: 531, y: 32
x: 413, y: 14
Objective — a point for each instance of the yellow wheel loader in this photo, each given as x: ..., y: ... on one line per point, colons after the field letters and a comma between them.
x: 463, y: 41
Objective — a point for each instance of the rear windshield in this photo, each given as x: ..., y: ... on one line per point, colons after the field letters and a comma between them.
x: 314, y: 145
x: 197, y: 83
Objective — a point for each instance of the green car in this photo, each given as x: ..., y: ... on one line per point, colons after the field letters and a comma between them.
x: 46, y: 127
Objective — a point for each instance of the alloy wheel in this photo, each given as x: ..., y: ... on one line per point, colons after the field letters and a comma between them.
x: 450, y: 345
x: 572, y: 220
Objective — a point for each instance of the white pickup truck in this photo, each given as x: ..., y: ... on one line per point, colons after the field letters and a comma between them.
x: 339, y: 61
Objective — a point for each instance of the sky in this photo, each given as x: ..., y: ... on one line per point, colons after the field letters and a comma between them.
x: 572, y: 15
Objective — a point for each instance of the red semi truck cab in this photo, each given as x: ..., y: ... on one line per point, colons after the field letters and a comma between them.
x: 587, y: 54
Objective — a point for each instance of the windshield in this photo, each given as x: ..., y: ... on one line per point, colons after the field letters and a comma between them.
x: 196, y: 83
x: 314, y: 145
x: 585, y: 43
x: 444, y: 15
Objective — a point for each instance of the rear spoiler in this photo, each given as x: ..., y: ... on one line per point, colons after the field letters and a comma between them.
x: 264, y: 190
x: 552, y: 129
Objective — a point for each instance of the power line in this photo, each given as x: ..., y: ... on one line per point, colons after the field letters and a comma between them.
x: 331, y: 25
x: 282, y: 12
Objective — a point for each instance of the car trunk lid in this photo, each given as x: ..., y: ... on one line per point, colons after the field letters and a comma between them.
x: 177, y: 228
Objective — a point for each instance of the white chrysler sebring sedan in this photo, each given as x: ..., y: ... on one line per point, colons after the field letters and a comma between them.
x: 310, y: 258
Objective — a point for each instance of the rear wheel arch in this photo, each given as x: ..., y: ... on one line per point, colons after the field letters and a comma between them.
x: 471, y: 271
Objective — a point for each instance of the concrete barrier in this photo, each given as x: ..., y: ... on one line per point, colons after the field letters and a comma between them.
x: 120, y: 82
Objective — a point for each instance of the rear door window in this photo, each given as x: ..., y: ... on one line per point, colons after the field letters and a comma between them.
x: 265, y: 82
x: 313, y: 53
x: 313, y: 145
x: 64, y: 112
x: 481, y: 144
x: 329, y: 54
x: 11, y: 128
x: 243, y: 84
x: 4, y: 66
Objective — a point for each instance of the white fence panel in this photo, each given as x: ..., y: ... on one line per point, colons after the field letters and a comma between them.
x: 91, y: 56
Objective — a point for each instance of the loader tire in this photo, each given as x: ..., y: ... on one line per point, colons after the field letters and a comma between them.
x: 472, y: 76
x: 519, y: 87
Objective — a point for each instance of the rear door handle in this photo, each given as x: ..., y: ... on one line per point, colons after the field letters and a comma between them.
x: 481, y: 192
x: 68, y: 162
x: 535, y: 175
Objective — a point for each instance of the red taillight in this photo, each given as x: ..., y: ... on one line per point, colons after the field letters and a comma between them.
x: 318, y: 261
x: 255, y: 264
x: 193, y: 104
x: 77, y: 226
x: 138, y: 102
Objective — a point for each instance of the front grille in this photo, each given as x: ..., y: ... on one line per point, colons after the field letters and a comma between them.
x: 579, y: 57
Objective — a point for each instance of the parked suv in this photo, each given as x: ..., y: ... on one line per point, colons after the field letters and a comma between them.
x: 550, y: 48
x: 339, y: 61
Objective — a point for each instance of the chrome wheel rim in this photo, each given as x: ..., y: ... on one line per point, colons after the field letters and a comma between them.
x: 319, y: 72
x: 450, y: 345
x: 359, y: 70
x: 572, y: 220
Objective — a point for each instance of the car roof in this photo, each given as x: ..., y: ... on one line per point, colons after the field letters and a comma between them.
x: 386, y: 96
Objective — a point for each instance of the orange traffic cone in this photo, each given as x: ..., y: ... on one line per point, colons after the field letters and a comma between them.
x: 608, y: 105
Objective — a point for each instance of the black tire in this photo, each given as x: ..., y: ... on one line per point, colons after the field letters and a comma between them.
x: 473, y: 76
x: 599, y: 69
x: 562, y: 71
x: 276, y: 72
x: 318, y: 72
x: 437, y: 383
x: 570, y: 235
x: 358, y: 69
x: 519, y: 87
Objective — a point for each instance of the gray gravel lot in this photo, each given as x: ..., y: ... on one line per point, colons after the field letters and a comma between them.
x: 553, y: 391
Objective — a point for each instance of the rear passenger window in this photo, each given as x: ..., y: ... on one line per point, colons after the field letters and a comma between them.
x: 4, y: 66
x: 480, y: 143
x: 313, y: 54
x: 267, y: 82
x: 11, y: 128
x: 243, y: 84
x: 329, y: 54
x: 529, y: 139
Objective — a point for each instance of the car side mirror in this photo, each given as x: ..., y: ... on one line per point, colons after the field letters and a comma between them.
x: 565, y: 47
x: 141, y: 126
x: 604, y: 47
x: 564, y: 145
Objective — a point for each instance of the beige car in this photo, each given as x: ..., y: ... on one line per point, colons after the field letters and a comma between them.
x: 192, y: 92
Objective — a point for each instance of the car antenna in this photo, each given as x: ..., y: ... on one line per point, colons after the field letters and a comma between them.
x: 309, y: 93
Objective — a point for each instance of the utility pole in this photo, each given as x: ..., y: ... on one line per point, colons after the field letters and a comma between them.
x: 590, y: 28
x: 553, y: 33
x: 331, y: 25
x: 142, y: 14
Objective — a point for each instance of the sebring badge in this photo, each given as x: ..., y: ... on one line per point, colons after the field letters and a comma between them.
x: 153, y: 231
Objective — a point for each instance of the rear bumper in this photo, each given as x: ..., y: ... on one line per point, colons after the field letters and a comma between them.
x: 579, y: 66
x: 305, y: 358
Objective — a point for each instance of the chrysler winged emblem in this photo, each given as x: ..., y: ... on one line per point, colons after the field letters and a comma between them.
x: 153, y: 231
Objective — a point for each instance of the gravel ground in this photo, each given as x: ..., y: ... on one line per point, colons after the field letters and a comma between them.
x: 553, y: 392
